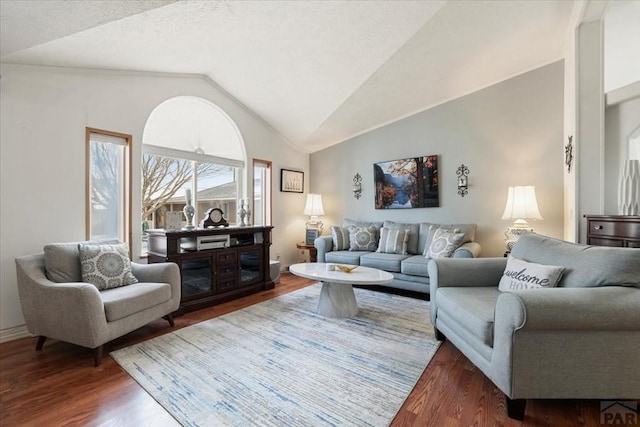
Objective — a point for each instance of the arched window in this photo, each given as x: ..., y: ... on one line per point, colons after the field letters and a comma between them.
x: 191, y: 147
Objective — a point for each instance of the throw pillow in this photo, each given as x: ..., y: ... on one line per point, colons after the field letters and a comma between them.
x: 521, y: 274
x: 432, y: 232
x: 444, y: 243
x: 393, y: 241
x: 340, y: 238
x: 363, y: 238
x: 106, y: 266
x: 413, y: 234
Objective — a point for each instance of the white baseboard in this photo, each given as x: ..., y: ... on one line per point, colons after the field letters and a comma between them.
x: 14, y: 333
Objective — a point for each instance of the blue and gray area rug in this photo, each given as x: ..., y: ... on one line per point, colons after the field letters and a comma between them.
x: 278, y: 363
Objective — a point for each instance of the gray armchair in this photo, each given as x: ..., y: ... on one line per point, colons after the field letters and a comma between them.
x: 580, y: 340
x: 80, y: 314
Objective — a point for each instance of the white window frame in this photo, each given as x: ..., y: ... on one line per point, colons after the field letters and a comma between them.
x: 125, y: 173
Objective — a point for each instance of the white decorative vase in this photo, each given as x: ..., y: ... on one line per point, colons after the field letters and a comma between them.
x: 629, y: 189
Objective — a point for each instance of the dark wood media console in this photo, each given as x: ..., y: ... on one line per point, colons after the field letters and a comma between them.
x: 613, y: 230
x: 216, y: 264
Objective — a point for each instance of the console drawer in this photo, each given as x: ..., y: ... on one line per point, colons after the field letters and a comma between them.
x: 610, y: 228
x: 613, y: 230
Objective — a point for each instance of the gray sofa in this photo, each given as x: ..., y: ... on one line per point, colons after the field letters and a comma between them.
x: 410, y: 271
x: 57, y: 304
x: 579, y: 340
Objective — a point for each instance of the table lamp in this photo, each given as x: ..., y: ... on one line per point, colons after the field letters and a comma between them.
x: 521, y: 206
x: 313, y: 208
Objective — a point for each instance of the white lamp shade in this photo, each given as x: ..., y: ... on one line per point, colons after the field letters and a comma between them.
x: 522, y: 204
x: 313, y: 207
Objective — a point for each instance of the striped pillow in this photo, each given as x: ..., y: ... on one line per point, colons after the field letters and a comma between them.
x: 393, y: 241
x: 340, y: 238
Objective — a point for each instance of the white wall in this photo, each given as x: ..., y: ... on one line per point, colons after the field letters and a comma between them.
x: 44, y: 112
x: 621, y: 41
x: 621, y: 120
x: 590, y: 123
x: 508, y: 134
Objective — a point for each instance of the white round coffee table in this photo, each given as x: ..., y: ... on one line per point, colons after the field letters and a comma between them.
x: 337, y: 298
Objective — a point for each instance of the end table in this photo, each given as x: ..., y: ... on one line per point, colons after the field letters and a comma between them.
x: 313, y: 252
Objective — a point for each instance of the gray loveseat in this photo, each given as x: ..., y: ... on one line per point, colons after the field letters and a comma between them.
x: 410, y: 271
x: 579, y: 340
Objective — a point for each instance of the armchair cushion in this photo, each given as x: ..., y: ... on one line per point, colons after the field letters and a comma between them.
x: 62, y: 261
x: 127, y: 300
x: 472, y: 308
x: 585, y: 266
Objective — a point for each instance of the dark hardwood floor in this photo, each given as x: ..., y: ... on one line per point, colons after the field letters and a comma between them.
x: 60, y: 386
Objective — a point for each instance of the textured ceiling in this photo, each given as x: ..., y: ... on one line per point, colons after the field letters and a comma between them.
x: 318, y: 72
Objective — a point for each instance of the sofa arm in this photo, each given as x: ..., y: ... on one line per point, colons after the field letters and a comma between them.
x: 164, y: 272
x: 610, y: 308
x: 323, y: 245
x: 468, y: 250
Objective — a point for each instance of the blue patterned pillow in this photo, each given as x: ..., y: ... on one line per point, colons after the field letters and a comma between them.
x: 106, y: 266
x: 444, y: 243
x: 340, y: 238
x: 393, y: 241
x: 363, y: 238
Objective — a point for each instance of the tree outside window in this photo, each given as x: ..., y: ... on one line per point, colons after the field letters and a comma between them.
x: 165, y: 179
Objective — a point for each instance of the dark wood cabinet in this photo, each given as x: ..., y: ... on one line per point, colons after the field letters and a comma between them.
x: 216, y: 265
x: 613, y: 230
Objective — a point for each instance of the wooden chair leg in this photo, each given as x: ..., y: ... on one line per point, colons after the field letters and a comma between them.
x: 515, y: 408
x: 97, y: 356
x: 40, y: 343
x: 169, y: 318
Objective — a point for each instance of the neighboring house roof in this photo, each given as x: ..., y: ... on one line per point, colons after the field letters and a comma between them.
x: 220, y: 192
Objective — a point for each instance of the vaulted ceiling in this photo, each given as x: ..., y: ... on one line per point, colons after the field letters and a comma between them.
x: 318, y: 72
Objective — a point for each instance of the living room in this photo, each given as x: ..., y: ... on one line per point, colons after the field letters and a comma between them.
x: 510, y: 128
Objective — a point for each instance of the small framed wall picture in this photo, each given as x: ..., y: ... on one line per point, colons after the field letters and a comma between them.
x: 291, y: 181
x: 311, y: 236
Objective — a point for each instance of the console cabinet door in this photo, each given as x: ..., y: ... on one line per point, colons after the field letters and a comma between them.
x: 251, y: 265
x: 197, y: 275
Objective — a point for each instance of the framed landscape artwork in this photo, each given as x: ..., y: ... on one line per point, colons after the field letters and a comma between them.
x: 291, y: 181
x: 407, y: 183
